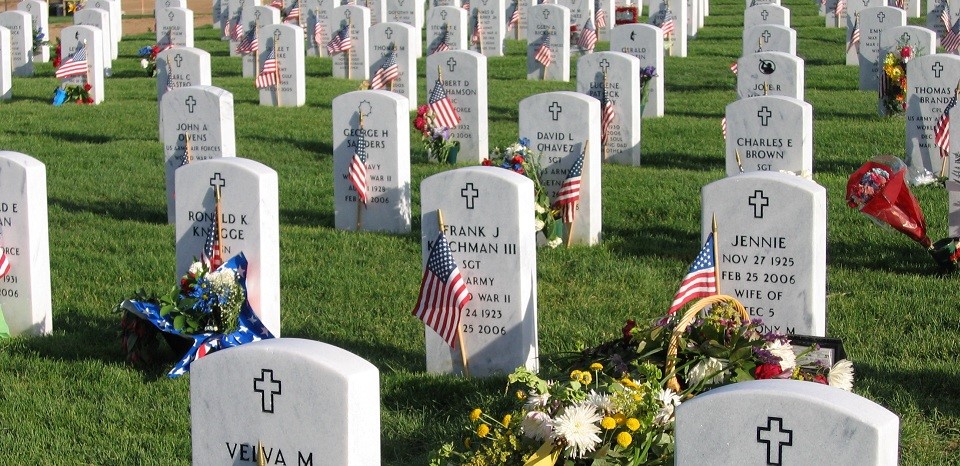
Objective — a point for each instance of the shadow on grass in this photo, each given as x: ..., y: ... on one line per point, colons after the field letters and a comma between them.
x: 307, y: 218
x: 904, y: 258
x: 648, y: 241
x: 78, y: 137
x: 321, y: 150
x: 126, y: 209
x: 930, y: 390
x: 684, y: 161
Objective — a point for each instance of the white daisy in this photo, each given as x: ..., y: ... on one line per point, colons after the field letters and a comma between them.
x: 841, y: 375
x: 196, y: 268
x: 601, y: 402
x: 578, y: 427
x: 669, y: 400
x: 536, y: 425
x: 784, y: 351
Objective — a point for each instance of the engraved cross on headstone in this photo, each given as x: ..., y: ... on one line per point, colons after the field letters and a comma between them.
x: 880, y: 16
x: 256, y: 14
x: 276, y: 37
x: 766, y: 36
x: 764, y: 113
x: 470, y: 193
x: 555, y: 110
x: 218, y: 182
x: 905, y: 37
x: 604, y: 64
x: 347, y: 13
x: 451, y: 64
x: 443, y: 15
x: 170, y: 16
x: 764, y: 14
x: 936, y: 68
x: 266, y: 386
x: 781, y: 437
x: 546, y: 14
x: 389, y: 33
x: 178, y: 59
x: 758, y: 201
x: 190, y: 103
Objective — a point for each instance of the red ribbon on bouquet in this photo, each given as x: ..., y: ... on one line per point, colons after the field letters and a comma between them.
x: 880, y: 191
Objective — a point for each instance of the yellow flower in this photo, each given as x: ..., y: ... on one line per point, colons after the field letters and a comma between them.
x: 596, y: 366
x: 467, y: 442
x: 506, y: 419
x: 575, y: 375
x: 624, y: 439
x: 633, y: 423
x: 586, y: 378
x: 483, y: 430
x: 475, y: 414
x: 889, y: 61
x: 629, y: 383
x: 608, y: 423
x: 620, y: 418
x: 521, y: 395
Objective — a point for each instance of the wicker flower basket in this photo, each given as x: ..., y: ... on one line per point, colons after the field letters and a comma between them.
x: 685, y: 322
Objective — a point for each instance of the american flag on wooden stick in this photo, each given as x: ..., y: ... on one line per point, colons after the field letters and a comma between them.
x: 514, y: 17
x: 249, y: 43
x: 341, y: 41
x: 700, y: 280
x: 941, y: 131
x: 358, y: 168
x: 442, y: 107
x: 544, y: 55
x: 444, y: 41
x: 212, y: 254
x: 733, y: 68
x: 75, y: 64
x: 600, y: 15
x: 668, y: 25
x: 443, y: 293
x: 951, y: 37
x: 569, y: 193
x: 588, y: 37
x: 723, y: 127
x: 293, y: 16
x: 388, y: 72
x: 318, y: 31
x: 268, y: 74
x: 607, y: 112
x: 855, y: 35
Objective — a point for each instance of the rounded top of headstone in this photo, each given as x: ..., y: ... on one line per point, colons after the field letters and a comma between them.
x: 21, y: 159
x: 309, y: 351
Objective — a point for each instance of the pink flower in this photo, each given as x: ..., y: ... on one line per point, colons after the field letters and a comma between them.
x: 420, y: 123
x: 905, y: 52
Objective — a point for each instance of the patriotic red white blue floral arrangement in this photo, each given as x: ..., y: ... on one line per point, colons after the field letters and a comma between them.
x: 615, y: 403
x: 206, y: 312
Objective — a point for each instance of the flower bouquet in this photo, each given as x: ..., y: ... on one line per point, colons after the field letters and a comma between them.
x: 615, y: 405
x: 893, y: 80
x: 435, y: 138
x: 148, y: 58
x: 878, y: 190
x: 39, y: 41
x: 646, y: 75
x: 79, y: 93
x: 207, y: 311
x: 520, y: 159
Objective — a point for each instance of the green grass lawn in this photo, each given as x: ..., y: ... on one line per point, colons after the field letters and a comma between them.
x: 69, y: 398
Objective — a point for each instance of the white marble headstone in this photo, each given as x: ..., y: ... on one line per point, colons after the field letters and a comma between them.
x: 489, y: 224
x: 912, y: 7
x: 769, y: 38
x: 358, y: 20
x: 616, y: 71
x: 693, y: 17
x: 378, y: 10
x: 250, y: 224
x: 386, y: 132
x: 402, y: 40
x: 771, y: 133
x: 854, y: 7
x: 39, y: 14
x: 953, y: 178
x: 580, y: 10
x: 766, y: 14
x: 932, y: 81
x: 169, y: 4
x: 523, y: 6
x: 70, y: 38
x: 549, y: 24
x: 286, y: 40
x: 489, y: 14
x: 785, y: 422
x: 831, y: 18
x: 921, y: 40
x: 25, y: 290
x: 306, y: 402
x: 608, y: 9
x: 240, y: 12
x: 20, y: 25
x: 406, y: 11
x: 676, y: 43
x: 6, y: 74
x: 874, y: 23
x: 182, y: 67
x: 262, y: 16
x: 201, y: 116
x: 646, y: 43
x: 100, y: 19
x: 116, y: 13
x: 770, y: 73
x: 175, y: 25
x: 935, y: 9
x: 465, y: 82
x: 446, y: 22
x: 561, y: 126
x: 772, y: 247
x: 316, y: 15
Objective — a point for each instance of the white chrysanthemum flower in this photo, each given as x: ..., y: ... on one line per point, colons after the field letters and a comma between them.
x: 784, y: 351
x: 711, y: 367
x: 602, y: 402
x: 578, y: 427
x: 144, y: 63
x: 538, y: 225
x: 555, y: 242
x: 196, y: 268
x: 221, y: 281
x: 537, y: 400
x: 669, y: 401
x: 536, y: 425
x: 538, y: 208
x: 841, y: 375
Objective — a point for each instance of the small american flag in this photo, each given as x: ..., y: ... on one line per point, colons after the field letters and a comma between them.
x: 588, y: 37
x: 75, y: 64
x: 477, y: 33
x: 569, y: 193
x: 841, y: 6
x: 249, y: 42
x: 444, y: 38
x: 855, y: 35
x: 514, y: 17
x: 358, y: 168
x: 733, y: 68
x: 293, y: 16
x: 668, y: 25
x: 607, y: 113
x: 4, y: 263
x: 278, y: 4
x: 951, y: 37
x: 544, y: 55
x: 212, y: 255
x: 237, y: 32
x: 941, y: 131
x: 443, y: 293
x: 268, y: 74
x: 723, y: 127
x: 600, y: 16
x: 899, y: 4
x: 341, y: 41
x: 442, y: 107
x: 318, y: 31
x: 700, y: 280
x: 387, y: 73
x: 165, y: 42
